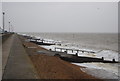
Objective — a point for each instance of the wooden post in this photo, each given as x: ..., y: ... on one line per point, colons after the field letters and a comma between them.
x: 72, y: 51
x: 82, y: 51
x: 76, y: 54
x: 65, y: 51
x: 113, y: 60
x: 50, y: 49
x: 102, y: 58
x: 61, y: 49
x: 55, y: 49
x: 77, y: 51
x: 42, y: 40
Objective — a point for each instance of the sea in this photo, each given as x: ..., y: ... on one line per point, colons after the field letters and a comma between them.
x: 106, y: 44
x: 83, y: 40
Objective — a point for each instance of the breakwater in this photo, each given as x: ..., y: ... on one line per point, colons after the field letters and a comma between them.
x: 71, y: 58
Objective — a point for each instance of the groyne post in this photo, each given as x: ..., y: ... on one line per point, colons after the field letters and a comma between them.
x: 103, y: 58
x: 77, y: 51
x: 61, y: 49
x: 55, y: 49
x: 82, y: 51
x: 42, y: 40
x: 72, y: 51
x: 66, y: 51
x: 113, y: 60
x: 76, y: 54
x: 50, y: 49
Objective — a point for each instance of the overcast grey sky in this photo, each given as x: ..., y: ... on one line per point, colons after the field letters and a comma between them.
x: 0, y: 14
x: 62, y: 16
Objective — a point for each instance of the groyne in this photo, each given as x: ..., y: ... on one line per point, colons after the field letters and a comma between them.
x: 69, y: 57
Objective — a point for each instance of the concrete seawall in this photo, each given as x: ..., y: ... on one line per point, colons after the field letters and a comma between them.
x: 5, y: 37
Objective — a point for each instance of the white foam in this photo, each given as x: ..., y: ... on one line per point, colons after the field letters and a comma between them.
x: 108, y: 55
x: 100, y: 70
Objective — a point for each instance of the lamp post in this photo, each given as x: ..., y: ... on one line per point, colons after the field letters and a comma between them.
x: 9, y: 27
x: 12, y: 29
x: 3, y: 22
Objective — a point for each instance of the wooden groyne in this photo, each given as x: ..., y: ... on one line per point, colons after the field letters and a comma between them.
x: 79, y: 59
x: 39, y: 41
x: 72, y: 50
x: 68, y: 57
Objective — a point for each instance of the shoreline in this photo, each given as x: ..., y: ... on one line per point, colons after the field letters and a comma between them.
x: 98, y: 53
x: 55, y: 68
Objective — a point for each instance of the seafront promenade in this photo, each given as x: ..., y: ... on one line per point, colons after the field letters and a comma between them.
x: 16, y: 63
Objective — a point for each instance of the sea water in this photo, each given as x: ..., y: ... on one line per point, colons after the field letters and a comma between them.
x: 85, y: 40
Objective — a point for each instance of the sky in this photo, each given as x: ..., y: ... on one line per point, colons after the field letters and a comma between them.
x: 88, y: 17
x: 1, y: 14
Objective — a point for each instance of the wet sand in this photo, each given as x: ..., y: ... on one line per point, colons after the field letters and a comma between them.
x: 51, y: 67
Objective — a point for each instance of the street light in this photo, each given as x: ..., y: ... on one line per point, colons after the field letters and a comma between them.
x: 3, y: 22
x: 12, y: 28
x: 9, y: 27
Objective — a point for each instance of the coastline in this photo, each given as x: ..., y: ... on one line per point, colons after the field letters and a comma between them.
x: 110, y: 70
x: 50, y: 67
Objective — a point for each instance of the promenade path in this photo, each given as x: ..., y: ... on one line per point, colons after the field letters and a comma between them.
x: 18, y: 65
x: 6, y: 45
